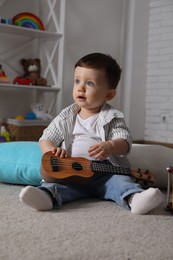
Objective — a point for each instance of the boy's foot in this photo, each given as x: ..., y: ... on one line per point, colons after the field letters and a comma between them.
x: 36, y: 198
x: 145, y: 201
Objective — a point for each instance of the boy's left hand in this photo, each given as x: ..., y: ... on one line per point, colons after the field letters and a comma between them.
x: 100, y: 151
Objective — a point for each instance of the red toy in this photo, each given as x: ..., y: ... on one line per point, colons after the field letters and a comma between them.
x: 22, y: 81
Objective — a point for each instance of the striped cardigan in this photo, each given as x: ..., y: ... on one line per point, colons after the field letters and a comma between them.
x: 111, y: 122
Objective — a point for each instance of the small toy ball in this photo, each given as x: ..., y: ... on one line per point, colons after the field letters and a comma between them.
x: 20, y: 117
x: 30, y: 116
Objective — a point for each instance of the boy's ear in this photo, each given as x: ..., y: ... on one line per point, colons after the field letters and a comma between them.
x: 111, y: 94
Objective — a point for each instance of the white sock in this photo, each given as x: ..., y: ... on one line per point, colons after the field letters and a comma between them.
x: 36, y: 198
x: 146, y: 200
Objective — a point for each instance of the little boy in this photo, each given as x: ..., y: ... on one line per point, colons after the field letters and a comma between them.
x: 92, y: 129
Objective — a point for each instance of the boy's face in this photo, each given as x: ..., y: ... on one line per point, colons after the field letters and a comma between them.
x: 91, y: 89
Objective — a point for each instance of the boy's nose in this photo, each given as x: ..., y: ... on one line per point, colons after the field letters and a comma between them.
x: 82, y: 88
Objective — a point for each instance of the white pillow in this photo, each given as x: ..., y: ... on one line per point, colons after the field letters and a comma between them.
x: 155, y: 158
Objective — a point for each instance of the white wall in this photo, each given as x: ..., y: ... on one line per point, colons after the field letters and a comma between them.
x: 159, y: 97
x: 119, y: 28
x: 91, y: 26
x: 146, y: 97
x: 134, y: 64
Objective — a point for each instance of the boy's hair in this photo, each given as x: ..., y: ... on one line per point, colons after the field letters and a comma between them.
x: 105, y: 62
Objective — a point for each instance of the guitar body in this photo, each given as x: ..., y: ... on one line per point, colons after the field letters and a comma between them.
x: 70, y: 169
x: 80, y: 170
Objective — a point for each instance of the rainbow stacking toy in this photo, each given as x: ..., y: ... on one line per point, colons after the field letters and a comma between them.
x: 3, y: 76
x: 28, y: 20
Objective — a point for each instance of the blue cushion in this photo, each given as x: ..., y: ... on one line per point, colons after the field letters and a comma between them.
x: 20, y: 162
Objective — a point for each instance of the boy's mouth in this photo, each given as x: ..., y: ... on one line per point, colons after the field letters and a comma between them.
x: 81, y: 97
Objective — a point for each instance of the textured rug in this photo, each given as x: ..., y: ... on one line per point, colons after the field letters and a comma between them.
x: 86, y: 229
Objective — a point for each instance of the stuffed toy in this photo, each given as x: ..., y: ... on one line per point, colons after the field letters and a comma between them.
x: 39, y: 110
x: 32, y: 71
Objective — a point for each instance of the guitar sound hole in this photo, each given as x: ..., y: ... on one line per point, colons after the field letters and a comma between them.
x: 77, y: 166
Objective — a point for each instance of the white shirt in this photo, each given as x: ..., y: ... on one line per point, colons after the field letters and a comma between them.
x: 85, y: 134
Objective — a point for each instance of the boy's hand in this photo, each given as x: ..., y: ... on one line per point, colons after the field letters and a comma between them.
x: 59, y: 152
x: 101, y: 150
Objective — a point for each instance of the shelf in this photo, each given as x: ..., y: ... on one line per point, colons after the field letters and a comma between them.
x: 29, y: 87
x: 48, y: 45
x: 27, y: 32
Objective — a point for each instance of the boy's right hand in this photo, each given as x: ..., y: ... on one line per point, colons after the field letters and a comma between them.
x: 59, y: 152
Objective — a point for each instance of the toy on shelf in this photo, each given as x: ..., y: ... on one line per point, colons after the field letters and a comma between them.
x: 3, y: 76
x: 32, y: 73
x: 22, y: 81
x: 19, y: 117
x: 4, y: 134
x: 28, y: 20
x: 30, y: 116
x: 40, y: 111
x: 6, y: 21
x: 2, y: 139
x: 25, y: 19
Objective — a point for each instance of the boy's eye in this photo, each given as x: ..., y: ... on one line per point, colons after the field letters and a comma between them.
x: 76, y: 81
x: 90, y: 83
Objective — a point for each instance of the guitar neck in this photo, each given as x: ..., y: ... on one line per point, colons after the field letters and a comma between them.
x: 107, y: 168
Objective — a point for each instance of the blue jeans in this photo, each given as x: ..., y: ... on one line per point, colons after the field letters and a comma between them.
x: 106, y: 187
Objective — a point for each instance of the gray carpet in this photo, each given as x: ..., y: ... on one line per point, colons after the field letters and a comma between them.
x: 87, y: 229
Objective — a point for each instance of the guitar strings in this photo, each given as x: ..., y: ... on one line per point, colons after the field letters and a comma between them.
x: 103, y: 168
x: 98, y: 167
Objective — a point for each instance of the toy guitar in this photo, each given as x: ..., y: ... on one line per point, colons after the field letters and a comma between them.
x: 80, y: 170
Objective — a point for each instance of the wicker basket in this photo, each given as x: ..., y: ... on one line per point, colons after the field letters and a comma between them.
x: 26, y: 130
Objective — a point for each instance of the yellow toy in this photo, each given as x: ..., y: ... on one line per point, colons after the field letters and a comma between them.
x: 5, y: 133
x: 20, y: 117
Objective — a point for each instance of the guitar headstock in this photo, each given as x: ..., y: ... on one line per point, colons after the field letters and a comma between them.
x: 145, y: 176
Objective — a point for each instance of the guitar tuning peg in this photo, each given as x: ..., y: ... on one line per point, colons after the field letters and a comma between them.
x: 139, y: 170
x: 147, y: 172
